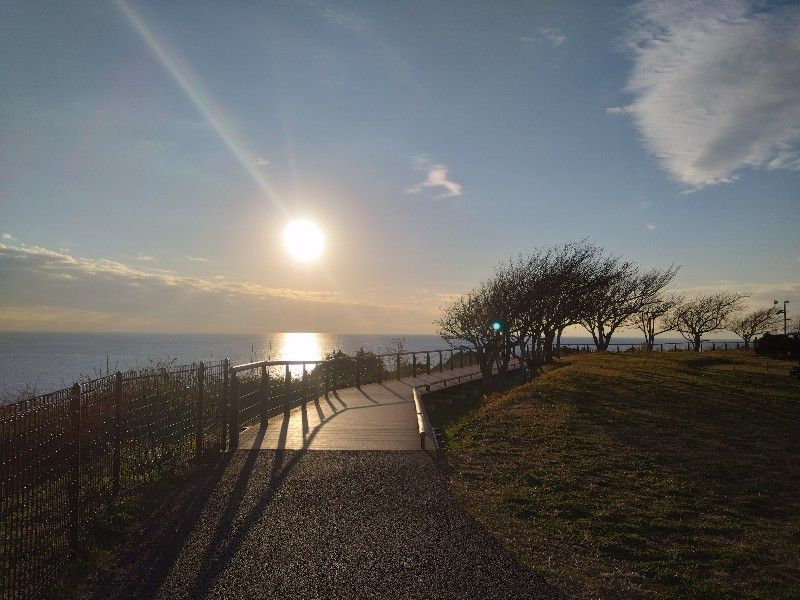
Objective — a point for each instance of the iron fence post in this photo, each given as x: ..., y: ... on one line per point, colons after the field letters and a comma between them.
x: 414, y: 365
x: 117, y: 456
x: 287, y: 381
x: 264, y: 395
x: 75, y: 478
x: 441, y: 365
x: 428, y: 363
x: 234, y: 420
x: 223, y: 406
x: 200, y: 425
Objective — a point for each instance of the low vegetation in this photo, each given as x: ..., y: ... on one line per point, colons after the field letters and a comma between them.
x: 642, y: 474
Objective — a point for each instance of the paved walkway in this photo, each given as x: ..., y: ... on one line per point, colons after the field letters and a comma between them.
x: 303, y: 524
x: 377, y: 416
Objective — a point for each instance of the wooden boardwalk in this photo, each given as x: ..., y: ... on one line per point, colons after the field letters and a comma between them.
x: 376, y: 416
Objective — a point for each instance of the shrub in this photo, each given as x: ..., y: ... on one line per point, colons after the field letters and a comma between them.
x: 777, y: 345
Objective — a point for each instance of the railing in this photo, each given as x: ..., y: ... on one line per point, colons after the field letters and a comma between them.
x: 424, y: 427
x: 423, y: 423
x: 257, y: 394
x: 705, y: 346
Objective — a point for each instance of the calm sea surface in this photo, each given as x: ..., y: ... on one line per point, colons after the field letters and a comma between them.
x: 35, y: 363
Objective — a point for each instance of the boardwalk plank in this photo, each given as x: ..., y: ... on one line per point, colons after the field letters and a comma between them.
x: 377, y: 416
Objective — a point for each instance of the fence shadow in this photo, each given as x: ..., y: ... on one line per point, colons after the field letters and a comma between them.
x: 162, y: 538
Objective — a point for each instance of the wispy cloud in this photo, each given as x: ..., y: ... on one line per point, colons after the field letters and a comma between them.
x: 145, y: 257
x: 8, y: 236
x: 337, y: 16
x: 619, y: 110
x: 552, y: 35
x: 649, y: 226
x: 43, y: 260
x: 261, y: 162
x: 39, y: 287
x: 195, y: 258
x: 437, y: 178
x: 715, y: 86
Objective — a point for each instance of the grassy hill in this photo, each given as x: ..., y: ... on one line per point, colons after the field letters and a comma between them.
x: 665, y: 474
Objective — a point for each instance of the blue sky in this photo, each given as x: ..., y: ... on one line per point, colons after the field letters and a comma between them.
x: 153, y: 152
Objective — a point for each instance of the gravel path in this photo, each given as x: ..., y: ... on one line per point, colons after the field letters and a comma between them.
x: 323, y: 524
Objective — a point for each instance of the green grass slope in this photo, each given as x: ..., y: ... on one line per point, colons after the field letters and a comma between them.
x: 635, y: 474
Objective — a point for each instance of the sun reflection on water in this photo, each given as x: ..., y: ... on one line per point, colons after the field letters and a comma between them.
x: 297, y: 346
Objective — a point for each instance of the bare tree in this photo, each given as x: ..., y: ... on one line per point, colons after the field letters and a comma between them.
x: 469, y: 319
x: 569, y: 276
x: 705, y: 313
x: 750, y: 324
x: 652, y: 320
x: 626, y: 293
x: 537, y: 295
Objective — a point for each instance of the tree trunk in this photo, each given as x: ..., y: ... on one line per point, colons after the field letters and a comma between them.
x: 697, y: 342
x: 746, y: 342
x: 651, y: 341
x: 485, y: 361
x: 548, y: 347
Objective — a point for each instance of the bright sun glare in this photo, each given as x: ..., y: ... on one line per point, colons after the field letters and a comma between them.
x: 303, y: 240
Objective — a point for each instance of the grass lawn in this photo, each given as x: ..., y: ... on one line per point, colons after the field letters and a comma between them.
x: 667, y: 474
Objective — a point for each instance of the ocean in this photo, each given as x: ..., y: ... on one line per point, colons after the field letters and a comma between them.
x: 38, y: 362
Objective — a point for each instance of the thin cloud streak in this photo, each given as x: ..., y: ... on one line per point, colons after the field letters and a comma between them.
x: 58, y: 265
x: 552, y: 35
x: 52, y: 290
x: 51, y: 262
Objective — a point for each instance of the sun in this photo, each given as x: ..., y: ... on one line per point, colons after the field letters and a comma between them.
x: 303, y: 240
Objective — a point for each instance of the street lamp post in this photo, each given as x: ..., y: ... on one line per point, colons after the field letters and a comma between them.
x: 785, y: 302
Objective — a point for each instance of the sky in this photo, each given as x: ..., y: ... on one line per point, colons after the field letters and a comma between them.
x: 152, y: 153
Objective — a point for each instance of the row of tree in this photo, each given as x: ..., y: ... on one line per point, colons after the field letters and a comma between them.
x: 530, y: 300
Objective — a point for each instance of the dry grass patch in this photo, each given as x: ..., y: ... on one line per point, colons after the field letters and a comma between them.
x: 665, y: 474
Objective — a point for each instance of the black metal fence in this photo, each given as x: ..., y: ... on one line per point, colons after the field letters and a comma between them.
x: 705, y: 346
x: 66, y: 456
